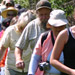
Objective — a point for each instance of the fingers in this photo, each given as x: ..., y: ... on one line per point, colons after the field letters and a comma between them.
x: 20, y: 65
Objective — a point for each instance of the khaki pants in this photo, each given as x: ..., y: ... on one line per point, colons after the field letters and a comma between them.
x: 51, y: 74
x: 13, y: 72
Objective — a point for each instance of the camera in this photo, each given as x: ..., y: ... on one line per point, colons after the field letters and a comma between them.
x: 44, y: 66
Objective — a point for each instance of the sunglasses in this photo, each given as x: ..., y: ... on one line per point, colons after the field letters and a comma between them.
x: 11, y: 15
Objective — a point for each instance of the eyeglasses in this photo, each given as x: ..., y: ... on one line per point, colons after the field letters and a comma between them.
x: 11, y: 15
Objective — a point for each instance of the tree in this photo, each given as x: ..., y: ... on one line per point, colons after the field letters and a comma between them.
x: 66, y: 5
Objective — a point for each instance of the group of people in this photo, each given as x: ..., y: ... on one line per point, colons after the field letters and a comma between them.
x: 37, y: 44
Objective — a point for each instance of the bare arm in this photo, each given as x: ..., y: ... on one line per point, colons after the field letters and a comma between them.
x: 2, y: 51
x: 19, y: 62
x: 58, y: 47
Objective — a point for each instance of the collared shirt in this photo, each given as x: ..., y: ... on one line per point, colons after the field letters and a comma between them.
x: 9, y: 39
x: 30, y: 35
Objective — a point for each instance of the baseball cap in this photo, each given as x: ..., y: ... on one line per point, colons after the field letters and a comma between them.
x: 57, y: 18
x: 43, y: 4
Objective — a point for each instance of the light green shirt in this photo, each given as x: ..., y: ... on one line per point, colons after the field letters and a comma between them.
x: 9, y: 40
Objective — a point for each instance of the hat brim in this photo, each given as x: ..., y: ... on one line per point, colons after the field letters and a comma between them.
x: 4, y: 13
x: 57, y: 23
x: 43, y: 7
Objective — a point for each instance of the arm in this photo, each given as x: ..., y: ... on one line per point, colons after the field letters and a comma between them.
x: 18, y: 55
x: 58, y: 47
x: 34, y: 64
x: 36, y: 58
x: 2, y: 51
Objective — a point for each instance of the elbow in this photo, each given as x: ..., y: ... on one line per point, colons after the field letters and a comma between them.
x: 51, y: 61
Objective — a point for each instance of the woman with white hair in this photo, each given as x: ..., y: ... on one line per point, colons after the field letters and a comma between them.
x: 10, y: 37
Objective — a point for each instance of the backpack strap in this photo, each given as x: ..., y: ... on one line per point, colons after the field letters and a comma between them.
x: 52, y: 38
x: 45, y: 36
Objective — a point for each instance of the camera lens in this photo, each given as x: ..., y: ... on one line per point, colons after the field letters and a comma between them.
x: 41, y: 68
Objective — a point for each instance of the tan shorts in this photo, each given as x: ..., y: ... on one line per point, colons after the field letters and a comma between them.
x: 13, y: 72
x: 51, y: 74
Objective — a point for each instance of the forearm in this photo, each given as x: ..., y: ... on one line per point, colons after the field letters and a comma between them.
x: 18, y: 54
x: 61, y: 67
x: 34, y: 64
x: 2, y: 51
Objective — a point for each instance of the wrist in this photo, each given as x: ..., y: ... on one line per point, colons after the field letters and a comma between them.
x: 19, y: 61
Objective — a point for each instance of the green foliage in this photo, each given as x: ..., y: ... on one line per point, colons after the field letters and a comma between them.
x: 62, y: 4
x: 23, y: 3
x: 56, y: 4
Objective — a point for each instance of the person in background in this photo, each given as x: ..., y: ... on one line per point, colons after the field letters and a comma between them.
x: 4, y: 25
x: 9, y: 39
x: 2, y: 2
x: 9, y: 3
x: 39, y: 64
x: 21, y: 10
x: 4, y: 5
x: 65, y: 43
x: 18, y: 6
x: 9, y: 13
x: 2, y: 8
x: 32, y: 31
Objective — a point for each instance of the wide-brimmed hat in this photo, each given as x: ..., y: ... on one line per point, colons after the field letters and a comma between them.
x: 43, y: 4
x: 57, y: 18
x: 4, y: 13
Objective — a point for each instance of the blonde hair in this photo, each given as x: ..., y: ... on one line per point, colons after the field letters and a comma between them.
x: 25, y: 18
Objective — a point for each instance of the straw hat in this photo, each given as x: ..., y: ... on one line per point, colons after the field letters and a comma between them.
x: 4, y: 13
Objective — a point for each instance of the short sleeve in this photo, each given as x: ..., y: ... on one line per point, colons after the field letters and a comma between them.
x: 6, y: 38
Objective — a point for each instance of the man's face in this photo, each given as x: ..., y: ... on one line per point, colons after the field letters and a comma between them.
x: 43, y: 15
x: 11, y: 14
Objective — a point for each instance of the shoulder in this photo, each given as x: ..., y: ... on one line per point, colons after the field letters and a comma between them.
x: 46, y: 32
x: 9, y: 29
x: 32, y: 23
x: 63, y: 35
x: 63, y: 32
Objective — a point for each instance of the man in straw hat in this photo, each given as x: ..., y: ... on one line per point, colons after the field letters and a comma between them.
x: 32, y: 31
x: 9, y: 13
x: 44, y: 46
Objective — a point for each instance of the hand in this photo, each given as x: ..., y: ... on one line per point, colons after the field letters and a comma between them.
x: 20, y: 64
